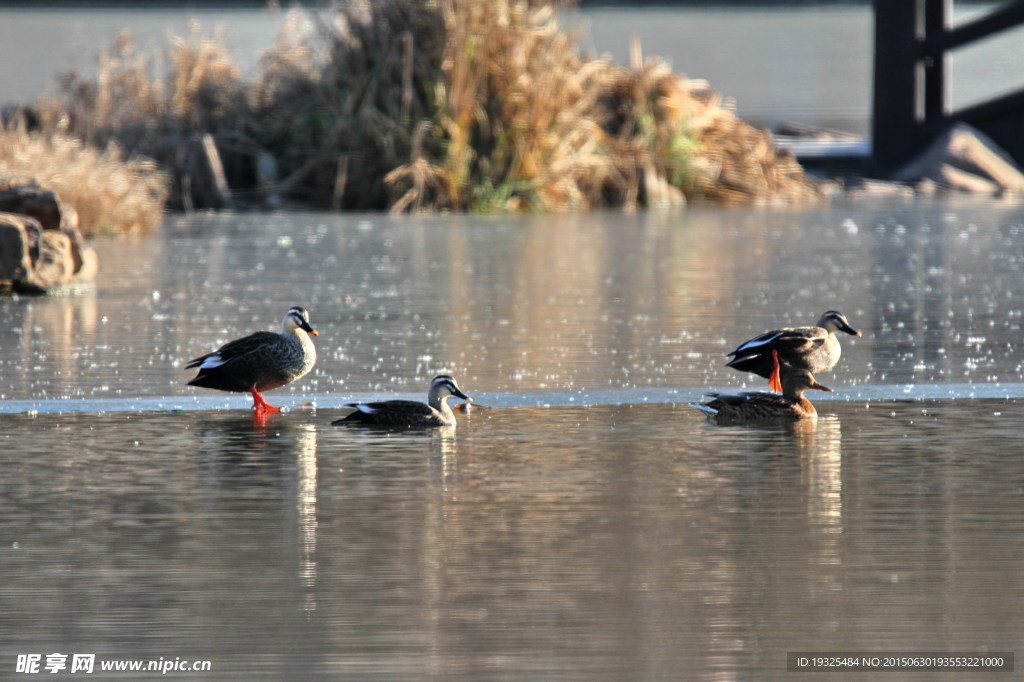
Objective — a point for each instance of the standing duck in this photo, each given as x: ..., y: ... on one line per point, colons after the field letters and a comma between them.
x: 260, y: 362
x: 761, y: 405
x: 409, y: 413
x: 815, y: 349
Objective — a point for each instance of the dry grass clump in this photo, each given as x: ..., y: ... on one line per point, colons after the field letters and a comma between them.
x: 737, y: 163
x: 518, y: 124
x: 679, y: 136
x: 108, y: 193
x: 340, y: 96
x: 129, y: 100
x: 159, y: 117
x: 525, y: 122
x: 651, y: 136
x: 424, y: 105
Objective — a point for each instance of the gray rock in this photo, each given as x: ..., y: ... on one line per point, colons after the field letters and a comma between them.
x: 18, y: 235
x: 965, y: 160
x: 29, y: 198
x: 55, y: 266
x: 41, y: 248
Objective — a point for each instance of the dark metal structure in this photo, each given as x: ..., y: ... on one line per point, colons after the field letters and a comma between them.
x: 913, y: 43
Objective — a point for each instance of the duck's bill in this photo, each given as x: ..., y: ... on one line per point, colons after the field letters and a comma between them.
x: 850, y: 330
x: 819, y: 387
x: 460, y: 394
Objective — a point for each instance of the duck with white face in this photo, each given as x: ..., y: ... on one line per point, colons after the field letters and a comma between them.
x: 815, y: 349
x: 260, y: 362
x: 409, y: 413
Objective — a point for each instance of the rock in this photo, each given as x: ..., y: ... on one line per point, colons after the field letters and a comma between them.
x: 18, y: 235
x: 959, y: 180
x: 89, y: 268
x: 964, y: 159
x: 69, y: 220
x: 28, y: 198
x: 54, y: 268
x: 38, y: 216
x: 41, y: 248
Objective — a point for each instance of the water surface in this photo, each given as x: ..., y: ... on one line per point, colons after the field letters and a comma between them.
x: 603, y: 542
x: 591, y: 525
x: 640, y: 304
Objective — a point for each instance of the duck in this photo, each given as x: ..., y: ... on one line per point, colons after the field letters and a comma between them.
x: 815, y: 349
x: 260, y: 362
x: 409, y: 413
x: 761, y: 405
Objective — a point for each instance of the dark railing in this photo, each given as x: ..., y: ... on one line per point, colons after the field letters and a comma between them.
x: 913, y: 42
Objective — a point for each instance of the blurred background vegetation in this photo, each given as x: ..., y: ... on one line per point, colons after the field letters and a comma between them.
x: 401, y: 105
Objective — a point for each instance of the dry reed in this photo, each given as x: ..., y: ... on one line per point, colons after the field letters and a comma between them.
x: 152, y: 116
x: 108, y: 193
x: 427, y: 105
x: 340, y: 97
x: 517, y: 125
x: 525, y: 122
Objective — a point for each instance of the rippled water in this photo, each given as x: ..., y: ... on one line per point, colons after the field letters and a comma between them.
x: 591, y: 525
x: 565, y: 304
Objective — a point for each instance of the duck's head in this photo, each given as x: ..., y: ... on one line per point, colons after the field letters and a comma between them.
x: 834, y: 321
x: 443, y: 386
x: 297, y: 317
x: 795, y: 381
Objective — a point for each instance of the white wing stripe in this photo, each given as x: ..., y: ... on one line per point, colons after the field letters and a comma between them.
x: 212, y: 361
x: 754, y: 343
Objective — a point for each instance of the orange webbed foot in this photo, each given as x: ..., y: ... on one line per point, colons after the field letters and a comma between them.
x: 774, y: 380
x: 260, y: 404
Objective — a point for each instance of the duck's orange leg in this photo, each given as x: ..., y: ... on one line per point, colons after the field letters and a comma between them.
x: 774, y: 380
x: 260, y: 404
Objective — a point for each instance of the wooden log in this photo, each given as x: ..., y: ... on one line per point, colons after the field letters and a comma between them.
x: 215, y: 167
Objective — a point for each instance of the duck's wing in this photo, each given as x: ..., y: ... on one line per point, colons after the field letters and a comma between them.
x: 753, y: 406
x: 393, y: 407
x: 777, y: 339
x: 755, y: 355
x: 800, y: 340
x: 232, y: 350
x: 389, y: 412
x: 792, y: 344
x: 757, y: 345
x: 744, y: 397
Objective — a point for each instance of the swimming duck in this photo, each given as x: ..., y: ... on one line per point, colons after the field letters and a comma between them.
x: 409, y: 413
x: 260, y: 362
x: 761, y: 405
x: 815, y: 349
